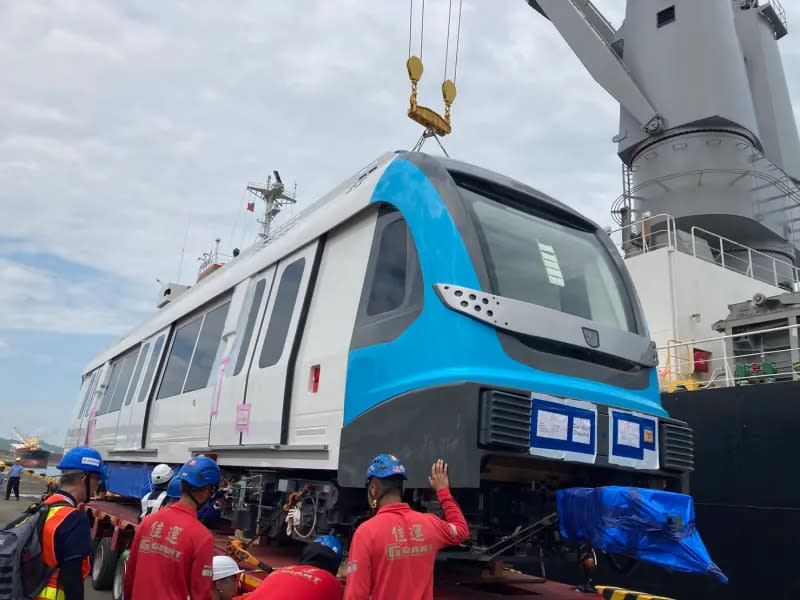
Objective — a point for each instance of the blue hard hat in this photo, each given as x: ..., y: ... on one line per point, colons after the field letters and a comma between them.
x: 174, y: 488
x: 200, y: 472
x: 83, y: 459
x: 384, y: 466
x: 331, y: 543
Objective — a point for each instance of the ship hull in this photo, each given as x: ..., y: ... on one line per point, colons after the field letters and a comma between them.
x: 33, y: 459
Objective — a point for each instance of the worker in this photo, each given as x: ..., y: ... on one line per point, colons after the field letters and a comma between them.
x: 171, y: 555
x: 14, y: 475
x: 313, y: 578
x: 226, y: 578
x: 66, y: 537
x: 2, y: 474
x: 392, y: 554
x: 154, y: 500
x: 173, y: 492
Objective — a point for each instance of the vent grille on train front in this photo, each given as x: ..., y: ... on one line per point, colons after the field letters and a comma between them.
x: 505, y: 420
x: 677, y: 446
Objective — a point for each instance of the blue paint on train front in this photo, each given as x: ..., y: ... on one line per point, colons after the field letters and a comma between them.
x: 442, y: 346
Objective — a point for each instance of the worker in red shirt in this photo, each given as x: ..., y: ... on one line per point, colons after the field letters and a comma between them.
x: 313, y: 578
x: 172, y: 552
x: 392, y: 555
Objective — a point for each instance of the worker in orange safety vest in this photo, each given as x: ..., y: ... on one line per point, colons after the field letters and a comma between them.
x: 66, y: 536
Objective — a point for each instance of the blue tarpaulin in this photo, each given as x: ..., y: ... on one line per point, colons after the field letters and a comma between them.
x: 651, y: 525
x: 131, y: 480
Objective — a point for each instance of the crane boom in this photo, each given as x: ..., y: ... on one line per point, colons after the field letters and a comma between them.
x: 590, y: 36
x: 22, y: 437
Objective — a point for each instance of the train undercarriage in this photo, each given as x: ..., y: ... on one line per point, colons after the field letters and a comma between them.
x: 512, y: 515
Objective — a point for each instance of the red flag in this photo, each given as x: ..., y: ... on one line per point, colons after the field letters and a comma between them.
x: 251, y: 206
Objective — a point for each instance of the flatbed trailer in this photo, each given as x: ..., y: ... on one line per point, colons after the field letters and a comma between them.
x: 117, y: 522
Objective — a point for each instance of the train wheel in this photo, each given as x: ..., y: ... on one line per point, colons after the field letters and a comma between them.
x: 118, y: 585
x: 103, y: 565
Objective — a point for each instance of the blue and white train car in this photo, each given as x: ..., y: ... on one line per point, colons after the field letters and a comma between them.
x: 426, y: 308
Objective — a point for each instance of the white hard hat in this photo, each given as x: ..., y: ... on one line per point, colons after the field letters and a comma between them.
x: 225, y: 566
x: 161, y: 474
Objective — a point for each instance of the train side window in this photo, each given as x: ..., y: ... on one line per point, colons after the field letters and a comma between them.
x: 179, y: 356
x: 281, y: 316
x: 112, y: 385
x: 89, y: 393
x: 206, y: 350
x: 389, y: 281
x: 151, y: 368
x: 258, y: 295
x: 125, y: 374
x: 136, y: 373
x: 393, y: 293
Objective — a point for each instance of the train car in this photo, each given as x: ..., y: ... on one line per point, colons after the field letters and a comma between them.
x: 426, y: 308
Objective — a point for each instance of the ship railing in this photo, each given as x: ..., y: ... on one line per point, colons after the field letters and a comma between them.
x: 770, y: 185
x: 779, y: 10
x: 678, y: 367
x: 660, y: 231
x: 743, y: 259
x: 645, y: 235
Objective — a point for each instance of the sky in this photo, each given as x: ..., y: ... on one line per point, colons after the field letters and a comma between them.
x: 128, y: 132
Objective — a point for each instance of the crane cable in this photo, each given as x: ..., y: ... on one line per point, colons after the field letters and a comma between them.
x: 411, y: 25
x: 458, y: 40
x: 422, y: 34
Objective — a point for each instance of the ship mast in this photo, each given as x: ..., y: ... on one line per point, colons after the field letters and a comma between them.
x: 275, y: 197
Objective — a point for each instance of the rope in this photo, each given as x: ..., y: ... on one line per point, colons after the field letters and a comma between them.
x: 458, y: 39
x: 447, y: 47
x: 438, y: 141
x: 422, y: 30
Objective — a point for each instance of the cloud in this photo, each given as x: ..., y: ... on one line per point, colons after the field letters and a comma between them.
x: 42, y: 300
x: 5, y: 348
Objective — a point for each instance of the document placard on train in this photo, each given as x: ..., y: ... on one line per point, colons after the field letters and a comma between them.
x: 632, y: 440
x: 563, y: 428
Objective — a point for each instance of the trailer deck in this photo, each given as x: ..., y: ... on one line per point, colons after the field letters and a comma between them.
x: 120, y: 521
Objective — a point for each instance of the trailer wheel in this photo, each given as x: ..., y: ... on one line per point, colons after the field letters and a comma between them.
x: 118, y: 586
x: 103, y: 565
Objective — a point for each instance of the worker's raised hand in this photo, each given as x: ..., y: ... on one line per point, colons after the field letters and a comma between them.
x: 439, y: 479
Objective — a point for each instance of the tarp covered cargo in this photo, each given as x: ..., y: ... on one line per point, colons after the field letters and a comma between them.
x: 651, y: 525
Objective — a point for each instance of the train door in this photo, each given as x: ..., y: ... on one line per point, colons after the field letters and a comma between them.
x: 231, y: 385
x: 108, y: 414
x: 93, y: 399
x: 132, y: 414
x: 260, y: 418
x: 177, y: 418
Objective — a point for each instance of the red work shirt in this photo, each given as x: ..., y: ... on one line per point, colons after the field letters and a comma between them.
x: 392, y: 555
x: 171, y: 557
x: 299, y: 583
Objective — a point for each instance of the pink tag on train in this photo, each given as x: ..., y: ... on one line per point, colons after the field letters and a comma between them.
x: 243, y: 418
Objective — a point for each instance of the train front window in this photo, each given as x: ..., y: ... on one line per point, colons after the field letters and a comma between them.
x: 550, y: 264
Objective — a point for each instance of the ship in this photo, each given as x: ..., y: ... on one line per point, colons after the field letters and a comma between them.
x: 30, y: 451
x: 707, y: 224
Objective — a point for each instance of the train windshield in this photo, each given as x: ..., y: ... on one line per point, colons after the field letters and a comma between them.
x: 548, y: 263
